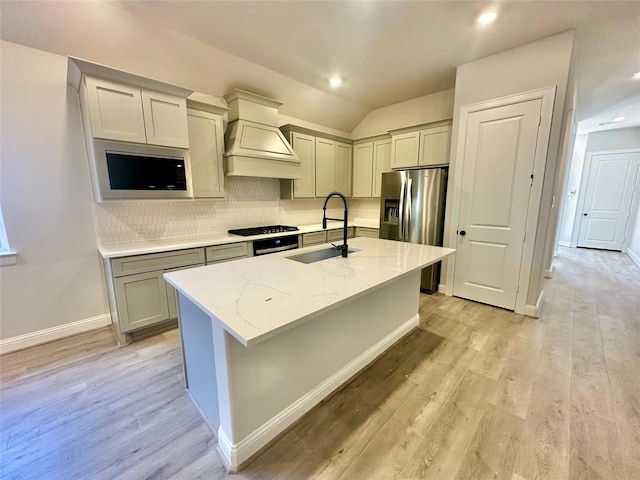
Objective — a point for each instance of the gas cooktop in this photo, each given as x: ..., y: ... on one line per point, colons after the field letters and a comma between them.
x: 247, y: 232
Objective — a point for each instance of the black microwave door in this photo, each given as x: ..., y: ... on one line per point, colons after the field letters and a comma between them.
x: 140, y: 172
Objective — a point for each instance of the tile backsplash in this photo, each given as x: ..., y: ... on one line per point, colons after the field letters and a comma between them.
x: 249, y: 202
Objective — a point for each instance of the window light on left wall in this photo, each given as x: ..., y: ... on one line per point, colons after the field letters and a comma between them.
x: 7, y: 257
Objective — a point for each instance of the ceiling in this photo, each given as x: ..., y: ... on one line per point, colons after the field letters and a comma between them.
x: 386, y: 51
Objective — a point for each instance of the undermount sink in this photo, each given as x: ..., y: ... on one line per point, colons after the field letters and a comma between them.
x: 317, y: 255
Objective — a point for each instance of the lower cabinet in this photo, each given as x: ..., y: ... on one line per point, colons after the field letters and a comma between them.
x: 367, y: 232
x: 227, y: 252
x: 314, y: 238
x: 141, y: 297
x: 142, y: 300
x: 337, y: 234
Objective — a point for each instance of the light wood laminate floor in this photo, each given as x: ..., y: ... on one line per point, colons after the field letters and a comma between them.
x: 475, y: 392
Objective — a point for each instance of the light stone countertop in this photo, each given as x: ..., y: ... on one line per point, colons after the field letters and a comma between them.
x: 258, y: 297
x: 167, y: 245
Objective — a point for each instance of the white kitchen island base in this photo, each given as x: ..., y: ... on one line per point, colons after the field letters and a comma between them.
x: 250, y: 395
x: 252, y: 380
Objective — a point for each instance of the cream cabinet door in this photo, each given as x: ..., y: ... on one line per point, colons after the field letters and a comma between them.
x: 404, y: 150
x: 115, y: 111
x: 325, y: 166
x: 362, y: 170
x: 367, y: 232
x: 141, y: 300
x: 314, y: 238
x: 206, y: 150
x: 434, y: 146
x: 305, y: 148
x: 381, y: 164
x: 165, y: 119
x: 343, y: 168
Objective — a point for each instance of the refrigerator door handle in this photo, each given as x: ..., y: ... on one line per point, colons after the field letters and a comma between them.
x: 402, y: 206
x: 409, y: 205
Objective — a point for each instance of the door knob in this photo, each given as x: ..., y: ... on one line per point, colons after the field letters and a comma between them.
x: 585, y: 214
x: 463, y: 233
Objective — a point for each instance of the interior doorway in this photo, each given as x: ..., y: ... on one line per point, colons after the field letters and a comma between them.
x: 606, y: 207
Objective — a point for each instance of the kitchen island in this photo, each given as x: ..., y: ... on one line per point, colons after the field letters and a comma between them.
x: 267, y: 338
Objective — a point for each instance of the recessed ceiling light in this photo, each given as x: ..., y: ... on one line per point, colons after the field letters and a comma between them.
x: 335, y: 81
x: 487, y: 17
x: 619, y: 119
x: 636, y: 75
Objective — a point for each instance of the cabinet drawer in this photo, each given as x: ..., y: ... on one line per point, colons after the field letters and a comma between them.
x: 336, y: 235
x: 367, y: 232
x: 156, y: 261
x: 314, y: 238
x: 229, y: 251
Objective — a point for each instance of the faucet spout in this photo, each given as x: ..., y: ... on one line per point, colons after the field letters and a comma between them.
x: 344, y: 247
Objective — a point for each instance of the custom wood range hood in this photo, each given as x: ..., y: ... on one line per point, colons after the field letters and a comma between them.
x: 255, y: 147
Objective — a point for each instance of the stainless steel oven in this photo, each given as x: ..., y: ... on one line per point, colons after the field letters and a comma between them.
x: 273, y: 245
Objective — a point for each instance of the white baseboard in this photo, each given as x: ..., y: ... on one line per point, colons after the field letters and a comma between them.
x: 54, y: 333
x: 564, y: 243
x: 634, y: 257
x: 442, y: 287
x: 548, y: 273
x: 533, y: 310
x: 237, y: 454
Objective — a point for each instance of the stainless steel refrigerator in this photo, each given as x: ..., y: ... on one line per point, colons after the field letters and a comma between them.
x: 412, y: 210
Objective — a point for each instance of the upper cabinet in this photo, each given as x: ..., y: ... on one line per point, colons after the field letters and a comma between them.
x: 206, y: 150
x: 305, y: 147
x: 370, y: 160
x: 423, y: 147
x: 333, y: 167
x: 326, y: 164
x: 125, y: 113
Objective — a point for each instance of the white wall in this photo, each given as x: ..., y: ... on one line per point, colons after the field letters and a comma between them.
x: 633, y: 250
x: 530, y: 67
x: 46, y: 198
x: 429, y: 108
x: 570, y: 201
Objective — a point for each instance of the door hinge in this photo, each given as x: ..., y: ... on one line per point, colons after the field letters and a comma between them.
x: 531, y: 184
x: 524, y: 237
x: 539, y: 120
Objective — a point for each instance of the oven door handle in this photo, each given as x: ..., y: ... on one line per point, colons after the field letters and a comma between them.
x: 264, y: 251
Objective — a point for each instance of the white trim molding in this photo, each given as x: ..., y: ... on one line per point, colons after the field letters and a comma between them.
x: 532, y: 310
x: 564, y: 243
x: 634, y: 258
x: 54, y: 333
x: 238, y: 454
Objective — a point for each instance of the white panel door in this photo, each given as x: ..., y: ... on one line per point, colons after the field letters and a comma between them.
x: 496, y: 184
x: 608, y: 196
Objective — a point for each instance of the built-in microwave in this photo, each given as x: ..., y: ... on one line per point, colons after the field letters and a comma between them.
x: 133, y: 171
